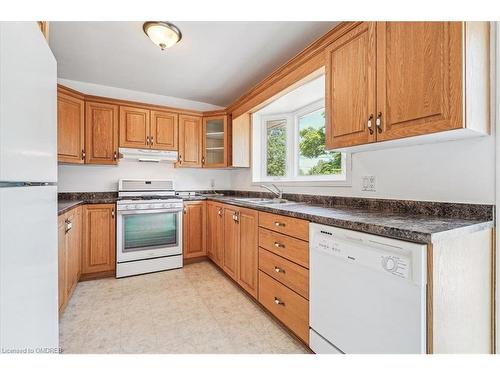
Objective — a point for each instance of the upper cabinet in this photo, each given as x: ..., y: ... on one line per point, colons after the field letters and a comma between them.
x: 216, y: 142
x: 190, y: 141
x: 394, y: 80
x: 350, y: 88
x: 70, y: 127
x: 134, y: 127
x: 164, y: 130
x: 101, y: 128
x: 144, y: 128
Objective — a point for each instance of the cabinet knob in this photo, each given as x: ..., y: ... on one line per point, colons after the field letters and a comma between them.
x: 151, y: 140
x: 279, y: 245
x: 115, y: 155
x: 83, y: 154
x: 180, y: 159
x: 370, y: 128
x: 279, y: 270
x: 378, y: 122
x: 278, y: 301
x: 219, y: 212
x: 202, y: 160
x: 113, y: 213
x: 147, y: 140
x: 278, y: 224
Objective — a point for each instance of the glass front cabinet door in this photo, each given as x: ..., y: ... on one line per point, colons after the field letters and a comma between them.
x: 216, y: 142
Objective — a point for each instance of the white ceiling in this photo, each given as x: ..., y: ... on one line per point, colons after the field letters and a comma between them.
x: 215, y: 62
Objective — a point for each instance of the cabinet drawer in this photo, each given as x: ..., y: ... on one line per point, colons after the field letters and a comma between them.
x: 292, y: 275
x: 290, y: 248
x: 287, y: 225
x: 285, y: 304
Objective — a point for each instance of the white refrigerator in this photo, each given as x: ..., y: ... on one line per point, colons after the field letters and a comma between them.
x: 28, y: 191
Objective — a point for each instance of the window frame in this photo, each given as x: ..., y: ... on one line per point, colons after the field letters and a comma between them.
x: 292, y: 176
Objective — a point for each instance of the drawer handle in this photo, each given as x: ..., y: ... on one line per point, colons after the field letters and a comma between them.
x: 278, y: 301
x: 280, y: 245
x: 279, y: 270
x: 278, y: 224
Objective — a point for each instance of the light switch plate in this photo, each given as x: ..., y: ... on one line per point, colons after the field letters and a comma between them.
x: 368, y: 183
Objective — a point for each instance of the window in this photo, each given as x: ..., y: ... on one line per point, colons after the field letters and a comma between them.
x: 292, y: 148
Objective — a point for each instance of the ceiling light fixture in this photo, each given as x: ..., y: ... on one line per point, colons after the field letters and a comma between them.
x: 163, y: 34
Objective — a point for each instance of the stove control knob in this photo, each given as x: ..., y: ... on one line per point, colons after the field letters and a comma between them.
x: 390, y: 264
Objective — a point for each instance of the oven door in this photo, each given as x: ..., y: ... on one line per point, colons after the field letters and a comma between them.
x: 145, y: 234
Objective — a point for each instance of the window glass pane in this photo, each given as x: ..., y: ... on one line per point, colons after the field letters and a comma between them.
x: 276, y: 148
x: 313, y: 159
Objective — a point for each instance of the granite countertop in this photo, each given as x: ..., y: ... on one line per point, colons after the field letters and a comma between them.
x: 420, y: 222
x: 415, y: 228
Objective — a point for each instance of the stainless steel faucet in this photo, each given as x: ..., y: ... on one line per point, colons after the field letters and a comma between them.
x: 275, y: 190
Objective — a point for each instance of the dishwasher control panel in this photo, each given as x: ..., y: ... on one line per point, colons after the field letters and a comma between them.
x: 392, y: 257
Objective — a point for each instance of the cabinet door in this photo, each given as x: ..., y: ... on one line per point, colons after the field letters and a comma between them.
x: 248, y: 251
x: 70, y: 128
x: 134, y: 127
x: 190, y: 141
x: 99, y: 247
x: 215, y: 233
x: 164, y: 129
x: 61, y: 246
x: 350, y: 88
x: 215, y: 142
x: 419, y: 78
x: 231, y: 242
x: 74, y: 244
x: 101, y: 133
x: 193, y: 232
x: 211, y: 225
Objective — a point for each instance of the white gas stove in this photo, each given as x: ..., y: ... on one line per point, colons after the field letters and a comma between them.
x: 149, y: 227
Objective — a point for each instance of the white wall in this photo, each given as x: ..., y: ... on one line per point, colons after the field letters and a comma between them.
x: 454, y: 171
x: 138, y: 96
x: 91, y: 178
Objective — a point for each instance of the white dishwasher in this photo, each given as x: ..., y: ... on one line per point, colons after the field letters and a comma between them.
x: 367, y: 293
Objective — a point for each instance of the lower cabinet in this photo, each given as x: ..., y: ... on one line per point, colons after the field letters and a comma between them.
x: 194, y: 229
x: 231, y: 241
x: 215, y: 232
x: 248, y: 250
x: 99, y: 242
x: 69, y: 248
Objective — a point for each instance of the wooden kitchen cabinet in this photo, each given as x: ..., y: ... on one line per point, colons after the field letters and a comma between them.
x: 164, y: 130
x: 101, y: 133
x: 216, y: 142
x: 69, y: 249
x: 144, y: 128
x: 194, y: 229
x: 190, y: 141
x: 419, y: 78
x: 99, y: 243
x: 350, y: 88
x: 231, y: 241
x: 399, y: 80
x: 134, y: 127
x: 70, y: 127
x: 248, y: 250
x: 215, y: 232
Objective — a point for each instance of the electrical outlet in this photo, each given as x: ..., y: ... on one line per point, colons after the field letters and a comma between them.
x: 368, y: 183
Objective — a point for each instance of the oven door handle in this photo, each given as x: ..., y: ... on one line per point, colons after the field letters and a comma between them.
x: 150, y: 211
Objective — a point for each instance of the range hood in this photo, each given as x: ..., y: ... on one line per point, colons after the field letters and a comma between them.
x: 147, y: 155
